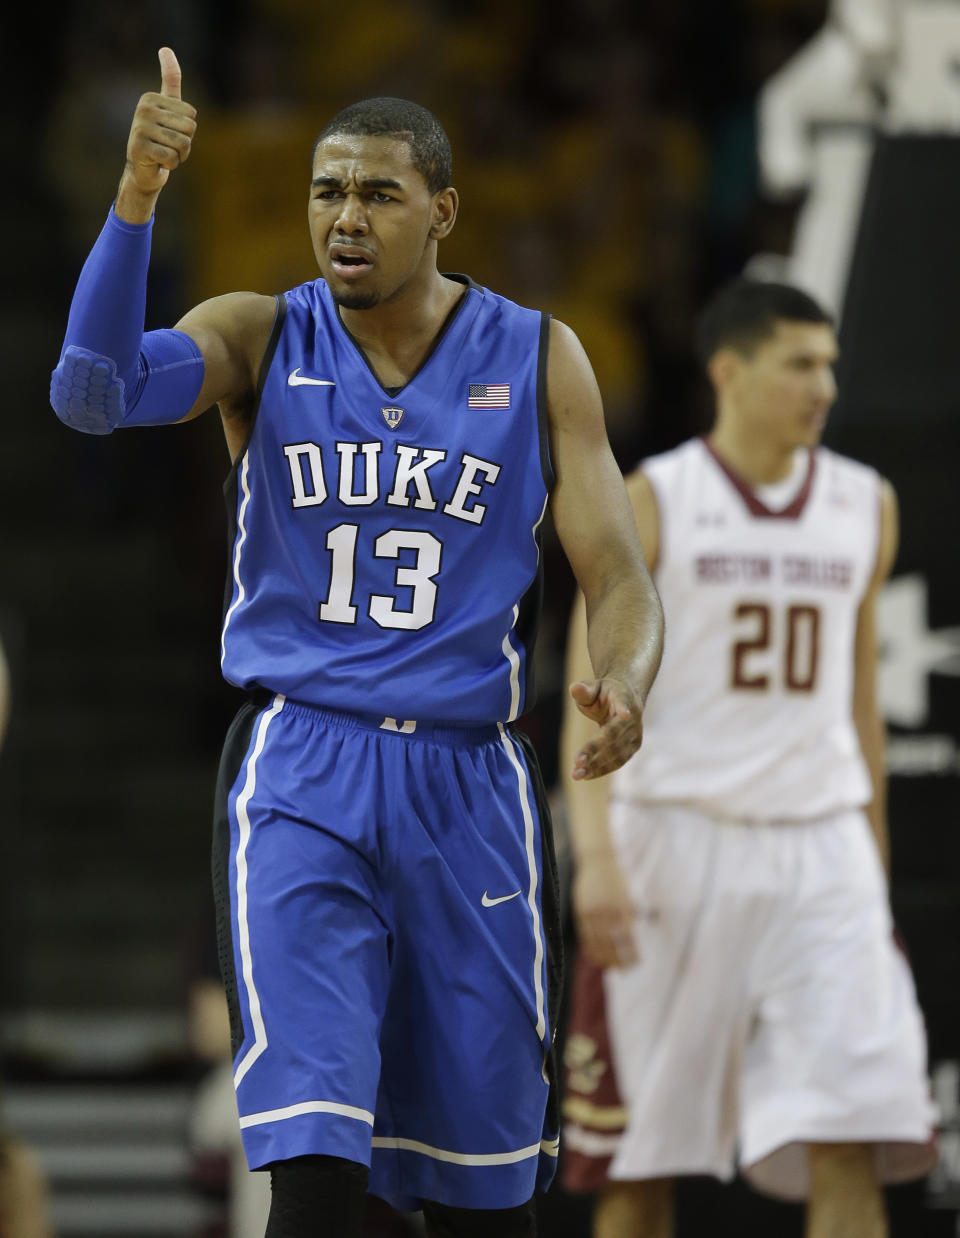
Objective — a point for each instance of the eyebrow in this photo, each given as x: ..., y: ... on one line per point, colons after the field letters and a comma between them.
x: 372, y: 182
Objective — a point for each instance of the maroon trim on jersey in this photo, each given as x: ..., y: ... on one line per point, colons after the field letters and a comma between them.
x: 756, y: 507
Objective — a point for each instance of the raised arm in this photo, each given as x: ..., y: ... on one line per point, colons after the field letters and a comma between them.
x: 866, y: 710
x: 596, y: 527
x: 110, y: 373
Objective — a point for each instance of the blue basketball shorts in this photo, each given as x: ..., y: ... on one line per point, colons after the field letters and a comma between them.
x: 389, y: 940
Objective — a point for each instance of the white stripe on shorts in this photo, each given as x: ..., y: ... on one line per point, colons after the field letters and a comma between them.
x: 307, y: 1106
x: 529, y: 834
x: 457, y: 1158
x: 243, y: 928
x: 550, y: 1146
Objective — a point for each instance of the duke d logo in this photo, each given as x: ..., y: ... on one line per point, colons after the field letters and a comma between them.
x: 392, y: 416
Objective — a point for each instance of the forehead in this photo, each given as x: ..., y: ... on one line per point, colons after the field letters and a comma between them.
x: 355, y: 157
x: 809, y: 338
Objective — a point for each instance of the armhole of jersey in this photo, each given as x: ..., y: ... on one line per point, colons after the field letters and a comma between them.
x: 265, y: 364
x: 543, y: 420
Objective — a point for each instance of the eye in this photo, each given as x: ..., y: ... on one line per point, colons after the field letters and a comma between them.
x: 379, y: 196
x: 327, y: 195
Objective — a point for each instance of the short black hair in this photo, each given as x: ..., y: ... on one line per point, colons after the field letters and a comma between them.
x: 745, y: 312
x: 399, y: 118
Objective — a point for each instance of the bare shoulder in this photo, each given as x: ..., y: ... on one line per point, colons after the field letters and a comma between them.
x: 572, y: 392
x: 565, y: 350
x: 239, y: 319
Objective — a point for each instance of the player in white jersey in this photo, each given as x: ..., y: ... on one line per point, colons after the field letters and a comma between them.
x: 730, y: 878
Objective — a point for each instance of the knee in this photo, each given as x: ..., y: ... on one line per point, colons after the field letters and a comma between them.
x: 444, y: 1221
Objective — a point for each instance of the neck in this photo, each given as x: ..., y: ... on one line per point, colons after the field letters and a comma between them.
x: 760, y: 462
x: 409, y: 319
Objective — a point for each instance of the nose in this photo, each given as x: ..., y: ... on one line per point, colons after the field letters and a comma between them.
x: 352, y: 220
x: 824, y: 383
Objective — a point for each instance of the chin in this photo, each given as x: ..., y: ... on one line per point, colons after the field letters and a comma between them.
x: 810, y: 436
x: 355, y: 300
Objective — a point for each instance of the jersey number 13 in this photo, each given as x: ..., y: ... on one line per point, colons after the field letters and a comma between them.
x: 418, y: 576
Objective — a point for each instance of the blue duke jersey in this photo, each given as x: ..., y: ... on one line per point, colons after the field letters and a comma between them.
x: 387, y: 549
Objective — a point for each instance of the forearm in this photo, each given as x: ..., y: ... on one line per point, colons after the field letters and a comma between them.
x: 109, y: 373
x: 109, y: 302
x: 625, y: 632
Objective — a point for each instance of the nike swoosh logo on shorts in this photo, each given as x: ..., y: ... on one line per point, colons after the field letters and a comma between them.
x: 492, y: 902
x: 296, y: 379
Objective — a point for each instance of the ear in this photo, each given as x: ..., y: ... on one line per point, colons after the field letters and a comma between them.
x: 722, y: 368
x: 445, y: 206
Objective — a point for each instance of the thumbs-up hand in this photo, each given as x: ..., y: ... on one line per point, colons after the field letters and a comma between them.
x: 160, y: 138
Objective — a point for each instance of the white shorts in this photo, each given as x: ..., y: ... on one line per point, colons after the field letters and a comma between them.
x: 770, y: 1008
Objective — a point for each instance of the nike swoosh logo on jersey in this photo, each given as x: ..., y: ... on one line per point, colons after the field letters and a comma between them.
x: 492, y: 902
x: 296, y: 379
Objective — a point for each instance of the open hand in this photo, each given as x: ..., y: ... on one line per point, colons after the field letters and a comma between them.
x: 618, y: 711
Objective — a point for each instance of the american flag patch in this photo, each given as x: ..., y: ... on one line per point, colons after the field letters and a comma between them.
x: 488, y: 395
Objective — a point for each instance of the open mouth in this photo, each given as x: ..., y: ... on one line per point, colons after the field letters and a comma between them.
x: 349, y: 264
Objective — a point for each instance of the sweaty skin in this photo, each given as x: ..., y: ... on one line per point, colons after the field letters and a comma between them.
x: 375, y: 228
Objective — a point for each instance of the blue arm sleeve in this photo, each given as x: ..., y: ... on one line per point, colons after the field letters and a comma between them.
x: 110, y: 373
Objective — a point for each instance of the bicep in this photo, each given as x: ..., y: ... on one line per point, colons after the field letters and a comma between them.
x: 889, y: 535
x: 230, y: 331
x: 590, y: 508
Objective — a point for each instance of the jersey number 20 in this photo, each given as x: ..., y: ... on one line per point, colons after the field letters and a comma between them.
x: 800, y: 626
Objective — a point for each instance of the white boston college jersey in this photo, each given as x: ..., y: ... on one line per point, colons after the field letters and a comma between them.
x: 751, y: 714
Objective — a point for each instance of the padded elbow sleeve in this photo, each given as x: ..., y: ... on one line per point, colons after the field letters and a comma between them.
x: 88, y: 394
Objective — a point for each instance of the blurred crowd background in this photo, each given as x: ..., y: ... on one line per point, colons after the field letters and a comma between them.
x: 606, y: 156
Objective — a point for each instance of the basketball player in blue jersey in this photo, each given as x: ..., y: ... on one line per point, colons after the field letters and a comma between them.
x: 382, y: 859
